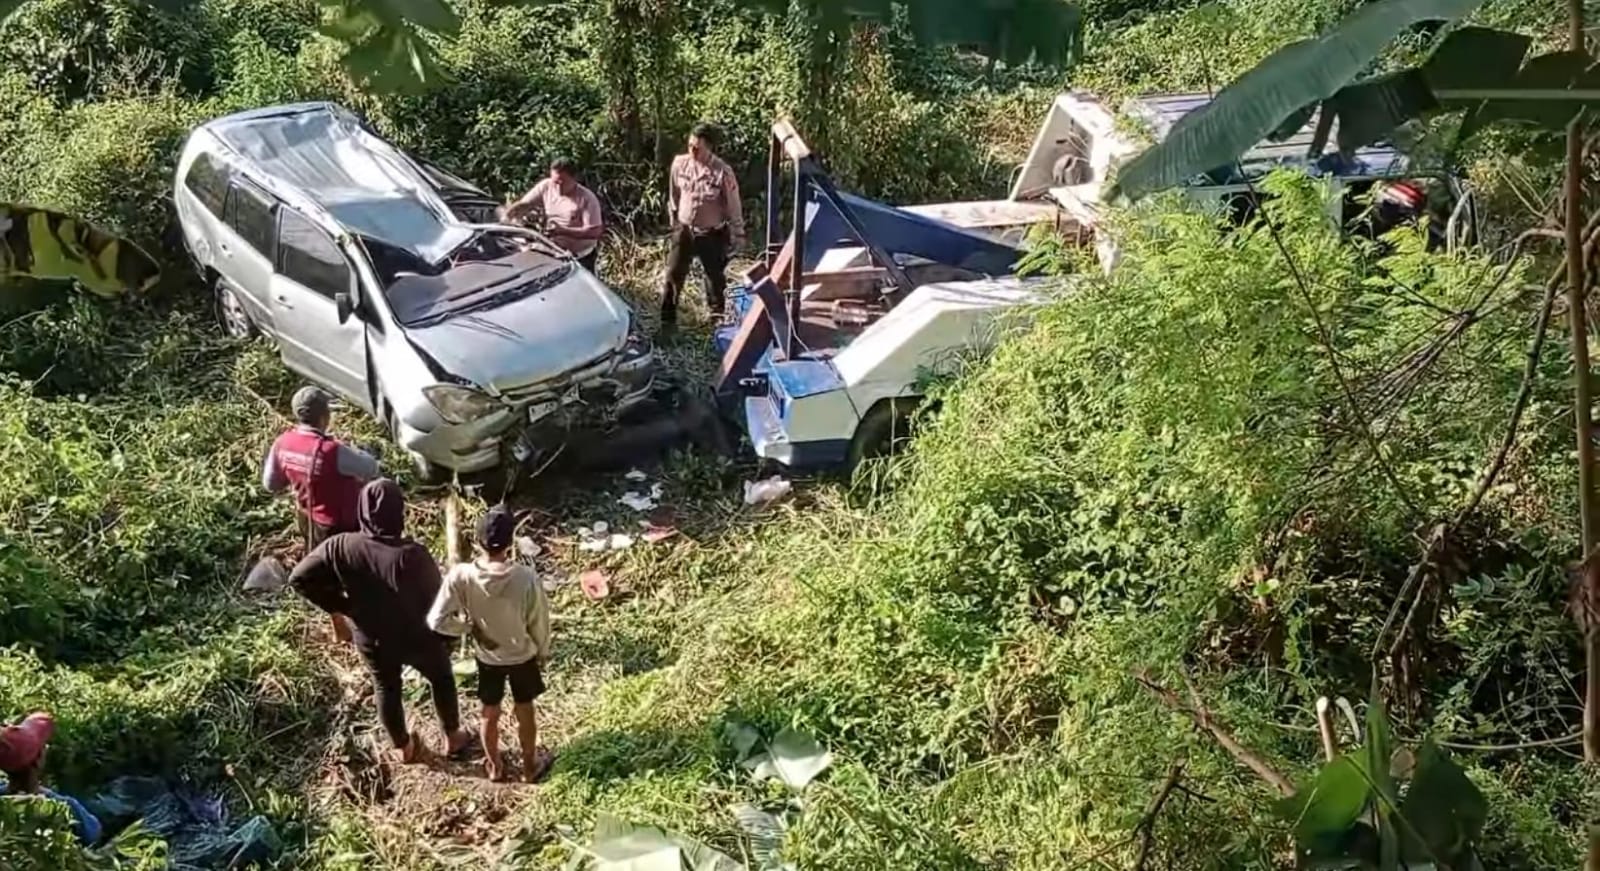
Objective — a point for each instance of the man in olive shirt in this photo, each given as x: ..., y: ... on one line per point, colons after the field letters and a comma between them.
x: 569, y: 212
x: 707, y: 222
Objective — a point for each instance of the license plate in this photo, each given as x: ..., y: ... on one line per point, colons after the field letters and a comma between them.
x: 540, y: 410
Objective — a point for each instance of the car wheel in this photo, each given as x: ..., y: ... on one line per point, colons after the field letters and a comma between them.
x: 232, y: 314
x: 426, y: 471
x: 883, y: 430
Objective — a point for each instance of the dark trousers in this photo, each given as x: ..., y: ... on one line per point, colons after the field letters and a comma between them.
x: 430, y: 658
x: 591, y: 260
x: 711, y: 249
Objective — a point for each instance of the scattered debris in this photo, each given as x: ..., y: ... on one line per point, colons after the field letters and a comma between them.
x: 194, y: 825
x: 654, y: 532
x: 527, y: 548
x: 638, y: 501
x: 596, y: 540
x: 636, y: 475
x: 769, y: 490
x: 595, y: 584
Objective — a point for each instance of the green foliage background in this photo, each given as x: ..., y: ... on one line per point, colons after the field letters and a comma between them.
x: 1159, y: 470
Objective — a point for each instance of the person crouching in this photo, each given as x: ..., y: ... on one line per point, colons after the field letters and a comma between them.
x: 502, y: 605
x: 22, y: 750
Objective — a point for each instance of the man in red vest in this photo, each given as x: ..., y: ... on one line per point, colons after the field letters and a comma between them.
x: 325, y: 474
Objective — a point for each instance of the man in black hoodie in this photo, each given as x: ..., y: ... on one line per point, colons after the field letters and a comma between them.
x: 384, y: 583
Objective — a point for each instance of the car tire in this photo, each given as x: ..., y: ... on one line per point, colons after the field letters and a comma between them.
x: 883, y: 430
x: 231, y: 313
x: 427, y: 472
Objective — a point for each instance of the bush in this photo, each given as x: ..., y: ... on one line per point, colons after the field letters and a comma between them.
x: 111, y: 162
x: 1158, y: 471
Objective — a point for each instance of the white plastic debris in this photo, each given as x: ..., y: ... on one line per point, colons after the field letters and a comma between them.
x: 655, y: 491
x: 636, y: 475
x: 600, y: 527
x: 527, y: 547
x: 594, y: 545
x: 763, y: 492
x: 637, y: 501
x: 620, y: 541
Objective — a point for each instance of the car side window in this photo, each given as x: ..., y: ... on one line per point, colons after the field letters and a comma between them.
x: 309, y: 257
x: 250, y: 213
x: 208, y: 181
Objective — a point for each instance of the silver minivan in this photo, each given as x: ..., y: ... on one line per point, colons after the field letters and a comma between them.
x: 387, y: 280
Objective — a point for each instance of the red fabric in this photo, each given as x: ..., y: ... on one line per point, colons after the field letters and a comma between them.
x: 310, y: 460
x: 1405, y: 194
x: 22, y: 745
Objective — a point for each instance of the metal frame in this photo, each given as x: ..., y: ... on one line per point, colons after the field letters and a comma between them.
x: 811, y: 183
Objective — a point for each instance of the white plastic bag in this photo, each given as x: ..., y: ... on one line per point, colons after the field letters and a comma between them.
x: 763, y: 492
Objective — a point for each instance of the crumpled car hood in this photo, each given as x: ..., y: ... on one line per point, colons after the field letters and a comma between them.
x: 532, y: 339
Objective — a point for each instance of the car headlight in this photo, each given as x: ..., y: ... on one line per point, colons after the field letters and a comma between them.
x: 636, y: 342
x: 457, y: 404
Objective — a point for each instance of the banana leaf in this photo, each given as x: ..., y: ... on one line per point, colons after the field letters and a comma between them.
x: 1291, y: 78
x: 41, y: 244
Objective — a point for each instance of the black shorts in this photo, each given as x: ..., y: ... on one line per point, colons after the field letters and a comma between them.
x: 527, y: 683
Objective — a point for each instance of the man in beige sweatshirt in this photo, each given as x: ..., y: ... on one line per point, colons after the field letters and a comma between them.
x: 501, y: 604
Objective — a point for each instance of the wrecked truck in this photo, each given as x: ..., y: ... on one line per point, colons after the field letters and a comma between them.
x: 385, y: 280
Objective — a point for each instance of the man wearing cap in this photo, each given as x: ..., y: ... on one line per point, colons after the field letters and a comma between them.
x: 569, y: 212
x: 22, y: 749
x: 502, y: 605
x: 384, y: 583
x: 325, y: 474
x: 707, y: 222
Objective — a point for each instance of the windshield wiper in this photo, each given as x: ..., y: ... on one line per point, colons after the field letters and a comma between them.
x: 538, y: 283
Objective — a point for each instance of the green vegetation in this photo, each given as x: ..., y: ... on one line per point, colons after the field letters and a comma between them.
x: 1197, y: 470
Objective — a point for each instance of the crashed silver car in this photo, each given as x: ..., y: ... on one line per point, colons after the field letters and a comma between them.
x: 385, y: 280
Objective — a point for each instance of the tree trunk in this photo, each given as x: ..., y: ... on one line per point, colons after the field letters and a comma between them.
x: 1583, y: 409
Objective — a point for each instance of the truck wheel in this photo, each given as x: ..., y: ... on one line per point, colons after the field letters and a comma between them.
x: 884, y: 429
x: 231, y: 313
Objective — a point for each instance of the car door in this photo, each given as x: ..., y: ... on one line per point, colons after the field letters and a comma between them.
x: 245, y: 245
x: 311, y: 271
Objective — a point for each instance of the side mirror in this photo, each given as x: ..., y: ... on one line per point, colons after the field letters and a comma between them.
x: 346, y: 308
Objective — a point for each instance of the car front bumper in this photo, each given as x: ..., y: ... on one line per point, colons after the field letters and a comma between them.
x: 543, y: 417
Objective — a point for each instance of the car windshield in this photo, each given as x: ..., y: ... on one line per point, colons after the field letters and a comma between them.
x: 421, y: 299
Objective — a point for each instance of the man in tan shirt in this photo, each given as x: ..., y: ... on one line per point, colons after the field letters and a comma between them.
x: 707, y: 222
x: 567, y: 212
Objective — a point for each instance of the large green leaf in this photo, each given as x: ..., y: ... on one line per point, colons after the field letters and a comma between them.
x: 1377, y: 752
x: 41, y: 244
x: 394, y: 58
x: 435, y: 15
x: 1549, y: 91
x: 1444, y: 810
x: 1324, y: 812
x: 1256, y: 104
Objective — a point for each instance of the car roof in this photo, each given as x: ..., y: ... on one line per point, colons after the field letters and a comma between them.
x: 358, y: 181
x: 1162, y: 111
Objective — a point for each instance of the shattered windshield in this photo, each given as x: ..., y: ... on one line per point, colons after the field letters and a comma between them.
x: 424, y: 299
